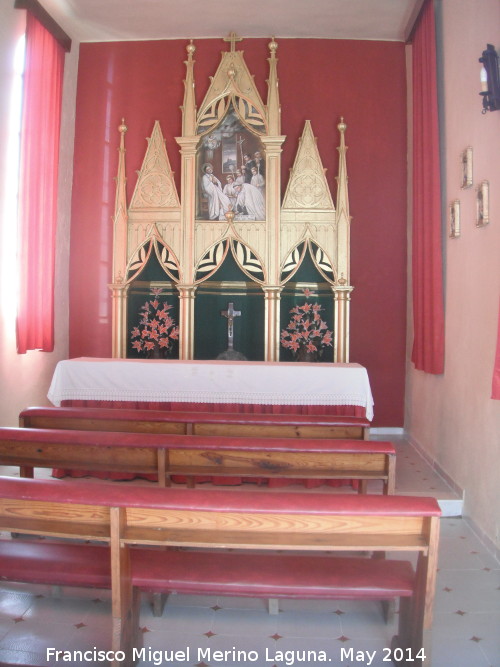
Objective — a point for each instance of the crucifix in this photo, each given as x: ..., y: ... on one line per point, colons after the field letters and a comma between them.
x: 233, y: 38
x: 230, y: 313
x: 240, y: 141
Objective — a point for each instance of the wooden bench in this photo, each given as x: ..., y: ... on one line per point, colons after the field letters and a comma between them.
x: 197, y: 423
x: 132, y: 525
x: 199, y: 455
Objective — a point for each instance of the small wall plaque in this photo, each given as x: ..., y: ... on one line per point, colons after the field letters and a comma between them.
x: 454, y: 219
x: 466, y: 160
x: 482, y: 204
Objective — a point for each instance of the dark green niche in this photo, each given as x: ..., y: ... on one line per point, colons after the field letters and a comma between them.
x: 229, y: 284
x: 152, y: 276
x: 307, y: 276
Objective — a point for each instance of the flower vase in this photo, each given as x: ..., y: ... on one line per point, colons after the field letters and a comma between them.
x: 307, y: 356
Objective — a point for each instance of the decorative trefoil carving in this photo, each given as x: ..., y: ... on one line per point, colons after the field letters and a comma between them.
x: 155, y: 186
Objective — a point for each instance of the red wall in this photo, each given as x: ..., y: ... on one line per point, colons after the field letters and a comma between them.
x: 320, y: 80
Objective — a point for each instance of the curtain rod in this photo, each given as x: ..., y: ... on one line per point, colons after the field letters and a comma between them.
x: 415, y: 20
x: 36, y: 9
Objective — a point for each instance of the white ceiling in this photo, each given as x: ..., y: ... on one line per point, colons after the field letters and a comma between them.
x: 110, y: 20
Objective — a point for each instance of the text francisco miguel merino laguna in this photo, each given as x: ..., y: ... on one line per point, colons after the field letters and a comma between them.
x: 231, y: 656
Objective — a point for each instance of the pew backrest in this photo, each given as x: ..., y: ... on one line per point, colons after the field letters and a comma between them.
x: 198, y: 455
x: 198, y: 423
x: 219, y: 518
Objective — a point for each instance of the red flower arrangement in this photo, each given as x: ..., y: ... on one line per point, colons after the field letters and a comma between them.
x: 306, y: 331
x: 156, y: 329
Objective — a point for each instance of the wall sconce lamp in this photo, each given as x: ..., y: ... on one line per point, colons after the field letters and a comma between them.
x: 490, y: 79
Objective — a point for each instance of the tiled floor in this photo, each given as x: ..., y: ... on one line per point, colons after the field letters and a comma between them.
x: 466, y: 630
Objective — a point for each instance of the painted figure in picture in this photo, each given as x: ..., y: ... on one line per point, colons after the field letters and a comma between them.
x: 259, y: 163
x: 231, y: 190
x: 258, y: 181
x: 250, y: 202
x: 218, y: 202
x: 256, y: 162
x: 246, y: 167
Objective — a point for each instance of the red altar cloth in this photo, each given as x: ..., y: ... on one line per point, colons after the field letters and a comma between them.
x: 344, y: 410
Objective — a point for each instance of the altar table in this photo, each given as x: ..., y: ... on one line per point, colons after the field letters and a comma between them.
x: 212, y: 383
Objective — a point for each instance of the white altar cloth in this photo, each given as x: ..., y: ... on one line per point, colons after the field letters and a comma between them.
x: 262, y: 383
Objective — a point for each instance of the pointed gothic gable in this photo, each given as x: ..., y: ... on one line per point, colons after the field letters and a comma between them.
x: 234, y: 84
x: 155, y: 187
x: 307, y: 187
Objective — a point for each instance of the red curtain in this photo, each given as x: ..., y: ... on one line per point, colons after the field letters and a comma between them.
x: 495, y: 389
x: 428, y: 310
x: 41, y: 119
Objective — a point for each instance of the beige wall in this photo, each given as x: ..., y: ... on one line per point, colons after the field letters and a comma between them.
x: 25, y: 378
x: 452, y: 417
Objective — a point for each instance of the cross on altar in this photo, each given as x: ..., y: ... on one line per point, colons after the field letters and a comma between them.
x: 233, y: 38
x: 230, y: 313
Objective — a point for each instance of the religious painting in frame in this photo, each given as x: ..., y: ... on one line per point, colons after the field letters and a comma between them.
x: 482, y: 204
x: 454, y: 219
x: 466, y: 164
x: 231, y: 173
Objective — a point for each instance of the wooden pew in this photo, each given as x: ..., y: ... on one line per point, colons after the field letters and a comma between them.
x: 197, y: 423
x: 198, y: 455
x: 132, y: 525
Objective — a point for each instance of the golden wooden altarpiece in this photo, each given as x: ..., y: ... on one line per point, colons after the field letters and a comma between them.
x: 191, y: 233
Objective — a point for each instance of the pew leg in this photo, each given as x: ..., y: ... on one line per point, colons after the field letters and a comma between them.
x: 127, y: 634
x: 388, y: 610
x: 421, y: 607
x: 402, y: 641
x: 272, y: 605
x: 362, y: 486
x: 411, y: 646
x: 158, y: 603
x: 403, y: 655
x: 405, y: 619
x: 390, y: 483
x: 125, y: 597
x: 388, y: 606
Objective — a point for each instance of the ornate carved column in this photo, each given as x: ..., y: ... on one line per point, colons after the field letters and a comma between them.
x: 186, y: 287
x: 188, y: 143
x: 272, y: 297
x: 119, y: 319
x: 272, y: 144
x: 343, y: 288
x: 343, y: 216
x: 120, y: 230
x: 186, y: 321
x: 342, y: 294
x: 273, y: 208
